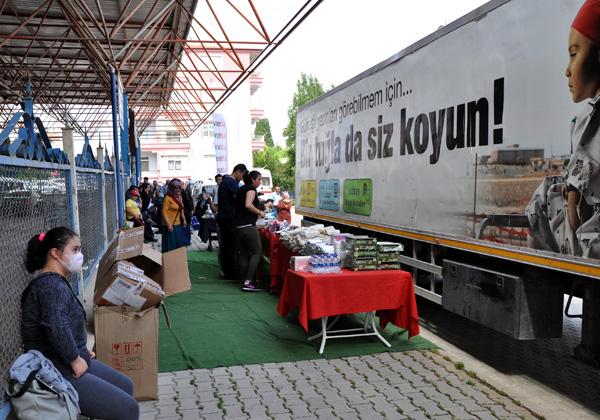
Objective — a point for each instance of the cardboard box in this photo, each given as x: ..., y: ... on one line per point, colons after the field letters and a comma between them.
x: 300, y: 263
x: 127, y: 340
x: 169, y: 270
x: 127, y: 285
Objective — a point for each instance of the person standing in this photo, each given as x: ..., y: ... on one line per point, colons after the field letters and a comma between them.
x: 244, y: 229
x: 173, y: 217
x: 276, y: 196
x: 188, y: 201
x: 284, y: 208
x: 145, y: 196
x: 53, y: 323
x: 227, y: 189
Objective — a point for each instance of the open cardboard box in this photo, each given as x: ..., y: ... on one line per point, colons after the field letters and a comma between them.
x: 169, y: 270
x: 127, y: 285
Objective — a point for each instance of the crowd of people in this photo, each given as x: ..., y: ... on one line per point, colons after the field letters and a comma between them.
x: 228, y: 213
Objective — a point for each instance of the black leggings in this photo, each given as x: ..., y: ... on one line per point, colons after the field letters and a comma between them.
x: 250, y: 247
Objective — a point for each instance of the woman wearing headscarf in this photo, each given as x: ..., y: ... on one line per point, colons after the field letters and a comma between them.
x: 564, y: 212
x: 173, y: 217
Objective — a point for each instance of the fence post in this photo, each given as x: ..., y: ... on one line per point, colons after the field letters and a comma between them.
x: 69, y: 148
x: 120, y: 195
x: 100, y: 158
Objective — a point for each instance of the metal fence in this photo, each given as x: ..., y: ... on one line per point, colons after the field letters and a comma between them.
x: 89, y: 201
x: 35, y: 197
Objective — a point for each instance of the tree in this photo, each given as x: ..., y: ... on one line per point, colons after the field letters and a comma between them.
x: 307, y: 89
x: 275, y: 159
x: 263, y: 128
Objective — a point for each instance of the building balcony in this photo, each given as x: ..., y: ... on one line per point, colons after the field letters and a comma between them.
x: 256, y: 79
x: 256, y: 114
x: 258, y: 144
x: 165, y: 146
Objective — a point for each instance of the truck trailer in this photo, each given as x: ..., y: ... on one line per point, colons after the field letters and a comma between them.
x: 445, y: 147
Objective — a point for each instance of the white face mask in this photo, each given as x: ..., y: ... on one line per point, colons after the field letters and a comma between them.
x: 74, y: 264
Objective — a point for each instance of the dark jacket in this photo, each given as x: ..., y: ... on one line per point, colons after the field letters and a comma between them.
x: 227, y: 190
x: 53, y: 321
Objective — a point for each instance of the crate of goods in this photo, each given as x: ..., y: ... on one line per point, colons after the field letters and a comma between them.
x: 360, y: 253
x: 388, y: 255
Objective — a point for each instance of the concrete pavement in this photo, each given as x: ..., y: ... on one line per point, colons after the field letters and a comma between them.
x: 413, y: 385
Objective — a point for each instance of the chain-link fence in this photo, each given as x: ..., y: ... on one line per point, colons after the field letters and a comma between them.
x: 89, y: 201
x: 32, y: 200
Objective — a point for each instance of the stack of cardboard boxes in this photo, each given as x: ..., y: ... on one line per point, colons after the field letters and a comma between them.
x: 131, y: 282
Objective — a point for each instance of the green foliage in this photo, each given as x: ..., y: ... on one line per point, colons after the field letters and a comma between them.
x: 307, y: 89
x: 263, y: 128
x: 274, y: 158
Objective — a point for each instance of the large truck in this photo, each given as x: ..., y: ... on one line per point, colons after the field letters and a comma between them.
x: 445, y: 147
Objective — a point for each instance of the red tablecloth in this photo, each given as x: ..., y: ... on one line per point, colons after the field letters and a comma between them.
x: 279, y: 258
x: 389, y: 292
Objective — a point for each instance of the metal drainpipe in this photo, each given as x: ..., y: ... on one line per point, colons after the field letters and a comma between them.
x: 125, y: 142
x: 138, y: 160
x: 100, y: 158
x: 113, y: 97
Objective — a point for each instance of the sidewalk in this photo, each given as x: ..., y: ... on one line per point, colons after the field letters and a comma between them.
x: 415, y: 385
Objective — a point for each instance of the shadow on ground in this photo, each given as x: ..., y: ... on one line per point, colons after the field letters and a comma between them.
x: 548, y: 361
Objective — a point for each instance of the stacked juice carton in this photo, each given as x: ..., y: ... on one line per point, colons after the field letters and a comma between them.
x: 388, y: 255
x: 131, y: 281
x: 360, y: 253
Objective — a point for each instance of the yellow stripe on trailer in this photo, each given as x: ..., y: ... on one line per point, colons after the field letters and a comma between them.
x: 537, y: 260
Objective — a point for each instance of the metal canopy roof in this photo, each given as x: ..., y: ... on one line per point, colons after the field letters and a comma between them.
x: 164, y: 51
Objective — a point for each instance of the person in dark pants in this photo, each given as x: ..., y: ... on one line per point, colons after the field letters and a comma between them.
x: 53, y: 323
x: 206, y: 218
x: 247, y: 212
x: 145, y: 195
x: 188, y: 201
x: 227, y: 190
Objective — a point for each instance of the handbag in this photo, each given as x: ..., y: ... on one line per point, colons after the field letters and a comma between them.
x: 35, y: 399
x: 183, y: 234
x: 195, y: 223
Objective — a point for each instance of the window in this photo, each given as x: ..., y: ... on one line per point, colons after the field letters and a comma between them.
x: 266, y: 181
x: 174, y: 165
x: 207, y: 129
x: 145, y: 162
x: 172, y: 136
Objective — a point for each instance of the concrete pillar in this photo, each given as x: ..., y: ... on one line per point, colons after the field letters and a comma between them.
x: 69, y: 148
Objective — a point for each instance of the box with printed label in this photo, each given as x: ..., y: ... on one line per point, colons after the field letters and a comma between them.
x: 127, y: 340
x: 127, y: 285
x: 169, y: 270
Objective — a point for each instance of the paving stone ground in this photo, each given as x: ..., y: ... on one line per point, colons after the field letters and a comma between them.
x: 410, y: 385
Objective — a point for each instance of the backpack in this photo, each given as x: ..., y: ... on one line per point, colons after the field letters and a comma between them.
x: 35, y: 399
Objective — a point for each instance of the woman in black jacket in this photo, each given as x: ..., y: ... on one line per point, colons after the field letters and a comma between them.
x: 53, y: 322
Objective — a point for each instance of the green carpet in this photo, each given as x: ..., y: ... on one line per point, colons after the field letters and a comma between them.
x: 215, y: 324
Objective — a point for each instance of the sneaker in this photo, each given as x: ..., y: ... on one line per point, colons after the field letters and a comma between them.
x: 248, y: 286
